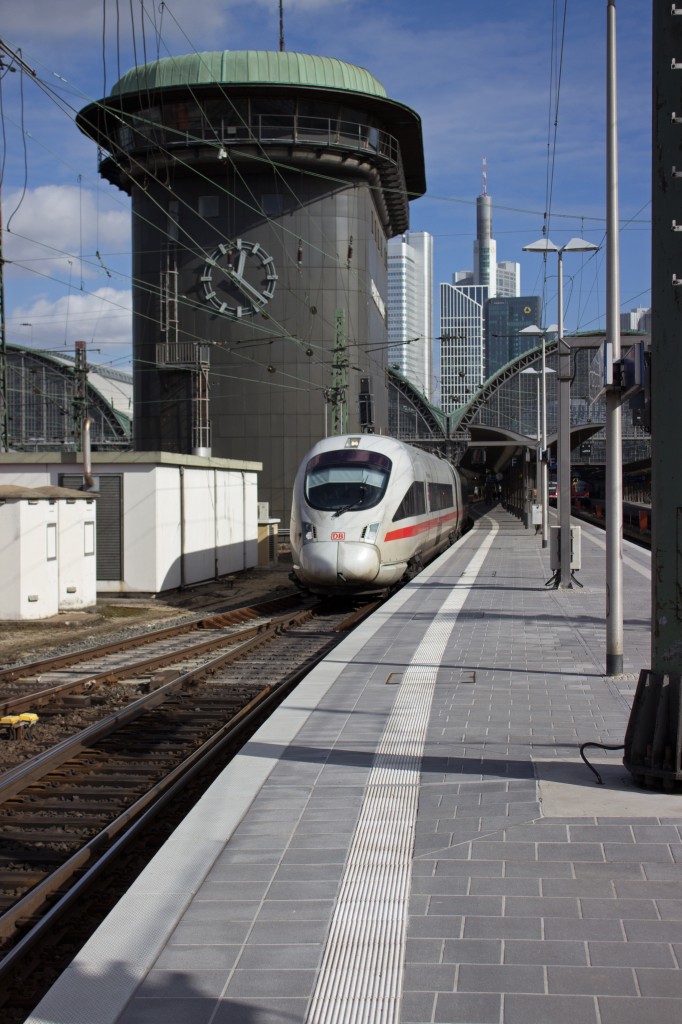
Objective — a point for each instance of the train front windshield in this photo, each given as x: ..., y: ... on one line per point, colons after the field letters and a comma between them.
x: 344, y: 480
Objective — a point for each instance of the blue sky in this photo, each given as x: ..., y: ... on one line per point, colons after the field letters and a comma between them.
x: 483, y: 78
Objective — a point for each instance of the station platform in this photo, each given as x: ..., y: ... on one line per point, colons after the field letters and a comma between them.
x: 412, y: 837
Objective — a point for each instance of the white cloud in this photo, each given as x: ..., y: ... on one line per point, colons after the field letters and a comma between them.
x: 54, y: 232
x: 102, y: 318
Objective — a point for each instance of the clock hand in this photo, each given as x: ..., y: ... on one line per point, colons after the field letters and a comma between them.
x: 247, y: 288
x: 241, y: 260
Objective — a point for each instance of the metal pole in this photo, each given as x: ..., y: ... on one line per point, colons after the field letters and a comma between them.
x: 4, y: 384
x: 538, y: 484
x: 563, y: 440
x: 653, y: 740
x: 545, y: 466
x: 614, y: 452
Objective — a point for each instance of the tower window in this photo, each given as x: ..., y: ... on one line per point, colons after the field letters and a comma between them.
x: 208, y: 206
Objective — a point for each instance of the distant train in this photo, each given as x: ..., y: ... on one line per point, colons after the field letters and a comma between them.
x: 369, y: 512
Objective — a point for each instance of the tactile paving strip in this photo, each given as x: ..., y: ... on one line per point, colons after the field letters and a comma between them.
x: 360, y: 978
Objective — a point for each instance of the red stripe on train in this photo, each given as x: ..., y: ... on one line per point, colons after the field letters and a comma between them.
x: 412, y: 531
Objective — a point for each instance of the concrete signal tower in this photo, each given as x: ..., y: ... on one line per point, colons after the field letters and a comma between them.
x: 264, y: 187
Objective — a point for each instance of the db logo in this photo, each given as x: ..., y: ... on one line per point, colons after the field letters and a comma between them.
x: 338, y: 535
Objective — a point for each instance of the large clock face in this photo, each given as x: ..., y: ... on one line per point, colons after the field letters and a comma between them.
x: 239, y: 278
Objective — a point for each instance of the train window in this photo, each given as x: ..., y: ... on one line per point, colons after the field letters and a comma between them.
x: 414, y: 502
x: 349, y: 479
x: 440, y: 496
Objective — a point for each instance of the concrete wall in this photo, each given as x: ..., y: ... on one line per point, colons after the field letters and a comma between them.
x: 28, y: 554
x: 181, y: 524
x: 77, y: 553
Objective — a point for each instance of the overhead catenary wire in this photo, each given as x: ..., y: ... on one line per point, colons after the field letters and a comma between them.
x: 429, y: 196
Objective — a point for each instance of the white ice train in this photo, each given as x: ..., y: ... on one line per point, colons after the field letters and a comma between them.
x: 369, y: 511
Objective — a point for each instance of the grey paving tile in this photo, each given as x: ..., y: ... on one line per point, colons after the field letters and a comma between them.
x: 610, y: 870
x: 500, y: 978
x: 596, y: 981
x: 618, y: 908
x: 472, y: 951
x: 429, y: 977
x: 169, y: 1010
x: 542, y: 1009
x: 640, y: 853
x: 653, y: 931
x: 648, y: 889
x: 173, y: 983
x: 199, y: 957
x: 296, y: 910
x: 546, y: 951
x: 630, y: 954
x: 466, y: 905
x: 231, y: 891
x: 467, y: 867
x: 595, y: 928
x: 280, y: 957
x: 270, y: 983
x: 280, y: 932
x: 260, y: 1011
x: 209, y: 933
x: 434, y: 927
x: 224, y: 871
x: 553, y: 869
x: 443, y: 885
x: 660, y: 983
x: 656, y: 834
x: 467, y: 1008
x: 505, y: 886
x: 504, y: 927
x: 613, y: 1010
x: 542, y: 906
x: 417, y: 1007
x: 670, y: 910
x: 577, y: 887
x: 423, y: 951
x: 301, y: 872
x: 571, y: 851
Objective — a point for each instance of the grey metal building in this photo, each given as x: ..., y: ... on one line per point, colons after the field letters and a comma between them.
x: 264, y: 188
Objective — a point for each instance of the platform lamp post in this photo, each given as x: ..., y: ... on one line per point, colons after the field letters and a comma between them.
x: 545, y: 245
x: 537, y: 332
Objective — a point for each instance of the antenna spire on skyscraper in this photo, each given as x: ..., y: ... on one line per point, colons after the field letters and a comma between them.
x: 485, y: 176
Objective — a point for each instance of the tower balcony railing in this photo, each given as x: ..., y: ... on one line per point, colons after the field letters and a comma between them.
x: 182, y: 354
x: 145, y: 132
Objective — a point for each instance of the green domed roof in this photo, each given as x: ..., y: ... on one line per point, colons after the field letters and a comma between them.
x: 247, y: 67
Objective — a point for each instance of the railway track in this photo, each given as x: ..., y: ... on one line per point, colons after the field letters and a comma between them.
x: 69, y: 811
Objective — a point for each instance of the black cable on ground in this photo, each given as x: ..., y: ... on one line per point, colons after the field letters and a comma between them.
x: 602, y: 746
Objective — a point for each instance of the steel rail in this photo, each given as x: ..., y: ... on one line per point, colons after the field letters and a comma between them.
x: 10, y: 673
x: 30, y: 701
x: 129, y: 824
x: 16, y: 779
x: 166, y: 790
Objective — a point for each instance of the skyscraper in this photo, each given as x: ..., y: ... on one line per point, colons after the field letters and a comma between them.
x: 462, y: 329
x: 505, y: 318
x: 409, y: 307
x: 465, y: 337
x: 485, y: 246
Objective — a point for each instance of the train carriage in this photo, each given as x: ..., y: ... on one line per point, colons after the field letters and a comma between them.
x: 369, y: 511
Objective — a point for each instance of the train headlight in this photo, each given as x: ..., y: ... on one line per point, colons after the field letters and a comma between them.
x: 369, y: 534
x: 307, y: 533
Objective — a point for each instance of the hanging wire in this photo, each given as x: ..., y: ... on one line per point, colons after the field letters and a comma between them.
x: 23, y: 141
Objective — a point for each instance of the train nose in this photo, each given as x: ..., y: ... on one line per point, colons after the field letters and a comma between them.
x: 331, y: 563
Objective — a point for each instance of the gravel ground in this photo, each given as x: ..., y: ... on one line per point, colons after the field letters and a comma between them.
x: 124, y: 616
